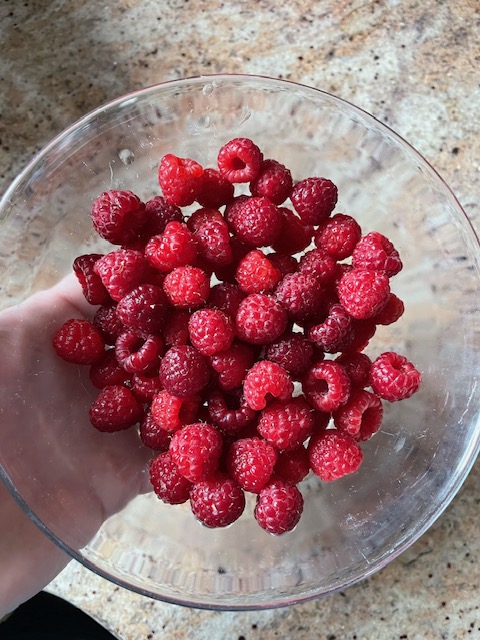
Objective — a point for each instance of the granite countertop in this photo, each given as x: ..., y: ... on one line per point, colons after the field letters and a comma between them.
x: 415, y: 66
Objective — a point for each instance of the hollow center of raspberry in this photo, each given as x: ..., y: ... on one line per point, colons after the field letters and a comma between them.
x: 237, y: 164
x: 321, y: 387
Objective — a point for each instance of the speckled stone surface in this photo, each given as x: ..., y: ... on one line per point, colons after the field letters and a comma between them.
x: 415, y: 66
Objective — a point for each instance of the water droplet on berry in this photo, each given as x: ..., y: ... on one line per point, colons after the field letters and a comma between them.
x: 126, y: 156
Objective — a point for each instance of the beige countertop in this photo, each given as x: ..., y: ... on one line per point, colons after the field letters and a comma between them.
x: 415, y: 65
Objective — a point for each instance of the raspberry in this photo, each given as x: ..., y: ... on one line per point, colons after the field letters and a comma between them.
x: 108, y: 323
x: 179, y: 179
x: 215, y: 190
x: 391, y: 312
x: 226, y: 297
x: 293, y: 352
x: 257, y: 222
x: 274, y: 182
x: 363, y: 293
x: 333, y: 455
x: 266, y: 379
x: 79, y: 342
x: 326, y: 386
x: 187, y: 287
x: 286, y: 425
x: 176, y: 247
x: 196, y: 449
x: 357, y: 366
x: 145, y: 387
x: 260, y: 319
x: 211, y: 331
x: 115, y: 409
x: 239, y: 160
x: 338, y: 235
x: 217, y: 502
x: 138, y: 353
x: 144, y: 309
x: 292, y: 466
x: 232, y: 208
x: 256, y: 274
x: 294, y: 236
x: 118, y: 216
x: 299, y: 293
x: 232, y: 365
x: 393, y: 377
x: 283, y: 262
x: 184, y: 371
x: 172, y: 413
x: 250, y: 462
x: 334, y: 332
x: 363, y: 331
x: 175, y: 332
x: 159, y: 212
x: 121, y: 271
x: 107, y: 371
x: 227, y: 272
x: 153, y: 436
x: 230, y: 417
x: 212, y: 236
x: 314, y: 199
x: 91, y: 283
x: 167, y: 482
x: 361, y: 416
x: 375, y: 251
x: 318, y: 264
x: 279, y: 507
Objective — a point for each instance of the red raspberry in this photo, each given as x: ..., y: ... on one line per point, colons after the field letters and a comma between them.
x: 79, y: 342
x: 118, y: 216
x: 232, y: 208
x: 138, y: 353
x: 196, y: 450
x: 176, y: 247
x: 239, y: 160
x: 257, y: 222
x: 184, y: 372
x: 167, y: 482
x: 283, y: 262
x: 391, y: 312
x: 187, y: 287
x: 334, y: 455
x: 300, y: 294
x: 107, y: 371
x: 159, y: 212
x: 175, y: 332
x: 314, y: 199
x: 115, y: 409
x: 318, y: 264
x: 273, y: 182
x: 153, y: 436
x: 357, y: 366
x: 293, y: 352
x: 334, y: 332
x: 286, y: 425
x: 260, y: 319
x: 211, y: 331
x: 363, y: 331
x: 212, y: 236
x: 145, y: 387
x: 279, y: 507
x: 172, y: 413
x: 361, y: 416
x: 121, y: 271
x: 227, y: 272
x: 375, y: 251
x: 215, y: 189
x: 179, y: 179
x: 292, y: 466
x: 363, y: 293
x: 230, y: 417
x: 144, y: 309
x: 108, y: 323
x: 266, y: 379
x: 321, y: 421
x: 294, y: 236
x: 226, y: 297
x: 256, y: 274
x: 217, y: 502
x: 393, y: 377
x: 232, y: 365
x: 91, y: 283
x: 326, y: 386
x: 338, y: 235
x: 250, y: 462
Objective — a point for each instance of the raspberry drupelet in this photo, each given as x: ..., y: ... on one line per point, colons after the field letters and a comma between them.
x: 240, y: 160
x: 179, y: 179
x: 79, y: 342
x: 393, y: 377
x: 279, y: 507
x: 196, y: 449
x: 217, y: 501
x: 264, y: 381
x: 118, y: 216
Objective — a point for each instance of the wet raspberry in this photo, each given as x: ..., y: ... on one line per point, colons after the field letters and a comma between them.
x: 167, y: 482
x: 217, y: 502
x: 144, y: 309
x: 361, y: 416
x: 338, y: 235
x: 172, y: 413
x: 334, y: 455
x: 232, y: 365
x: 118, y: 216
x: 175, y: 332
x: 264, y: 381
x: 260, y: 319
x: 334, y: 332
x: 230, y: 414
x: 138, y: 353
x: 257, y: 222
x: 211, y: 331
x: 314, y: 199
x: 294, y: 236
x: 115, y: 409
x: 326, y: 386
x: 179, y: 179
x: 250, y: 462
x: 279, y: 507
x: 91, y: 283
x: 212, y: 236
x: 107, y: 371
x: 215, y: 190
x: 283, y: 262
x: 393, y: 377
x: 152, y: 435
x: 108, y: 323
x: 187, y: 287
x: 121, y: 271
x: 274, y: 182
x: 300, y: 295
x: 175, y: 247
x: 292, y: 466
x: 159, y: 212
x: 145, y: 387
x: 196, y: 449
x: 184, y: 372
x: 286, y: 425
x: 375, y: 251
x: 226, y: 297
x: 256, y: 274
x: 363, y: 293
x: 318, y: 264
x: 357, y: 366
x: 239, y: 160
x: 79, y: 342
x: 293, y: 352
x: 391, y: 312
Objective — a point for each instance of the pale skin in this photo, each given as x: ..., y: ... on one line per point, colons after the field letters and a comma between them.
x: 69, y: 473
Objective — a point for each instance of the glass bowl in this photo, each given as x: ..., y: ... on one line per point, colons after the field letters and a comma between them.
x: 413, y: 467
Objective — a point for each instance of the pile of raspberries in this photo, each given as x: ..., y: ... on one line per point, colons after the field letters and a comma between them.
x: 232, y: 337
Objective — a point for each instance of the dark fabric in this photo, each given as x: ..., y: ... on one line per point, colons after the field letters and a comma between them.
x: 46, y: 617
